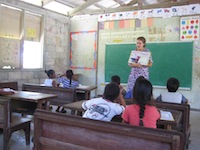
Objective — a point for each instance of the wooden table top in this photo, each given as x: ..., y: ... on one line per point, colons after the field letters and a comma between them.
x: 30, y: 96
x: 177, y: 118
x: 86, y: 88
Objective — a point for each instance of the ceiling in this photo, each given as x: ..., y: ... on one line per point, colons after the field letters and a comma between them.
x: 92, y: 7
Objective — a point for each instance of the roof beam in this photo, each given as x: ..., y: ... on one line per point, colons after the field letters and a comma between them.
x: 119, y: 2
x: 132, y: 8
x: 140, y: 4
x: 133, y: 2
x: 81, y: 7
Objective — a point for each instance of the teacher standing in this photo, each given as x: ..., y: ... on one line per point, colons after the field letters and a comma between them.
x: 137, y: 69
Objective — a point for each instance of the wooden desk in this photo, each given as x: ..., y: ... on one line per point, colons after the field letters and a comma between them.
x: 77, y: 106
x: 168, y: 124
x: 38, y: 98
x: 87, y: 90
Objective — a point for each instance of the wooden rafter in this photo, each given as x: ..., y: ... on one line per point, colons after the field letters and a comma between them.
x: 119, y: 2
x: 131, y: 8
x: 82, y: 7
x: 133, y: 2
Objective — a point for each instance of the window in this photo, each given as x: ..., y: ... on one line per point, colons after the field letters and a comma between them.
x: 32, y: 50
x: 10, y: 22
x: 10, y: 35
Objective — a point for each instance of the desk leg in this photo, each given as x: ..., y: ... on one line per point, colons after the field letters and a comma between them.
x: 39, y: 105
x: 87, y: 95
x: 47, y: 105
x: 169, y: 127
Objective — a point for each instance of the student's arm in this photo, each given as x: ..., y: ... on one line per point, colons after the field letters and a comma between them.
x: 121, y: 100
x: 54, y: 83
x: 122, y: 90
x: 75, y: 83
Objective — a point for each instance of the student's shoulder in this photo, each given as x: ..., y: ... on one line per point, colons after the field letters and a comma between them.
x: 132, y: 107
x: 152, y: 108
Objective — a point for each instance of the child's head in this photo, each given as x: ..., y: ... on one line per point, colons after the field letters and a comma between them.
x: 69, y: 74
x: 115, y: 79
x: 50, y: 73
x: 142, y: 94
x: 172, y: 84
x: 111, y: 91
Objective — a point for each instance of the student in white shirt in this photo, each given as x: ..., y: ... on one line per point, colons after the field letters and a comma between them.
x: 51, y: 78
x: 51, y: 82
x: 105, y: 108
x: 172, y: 95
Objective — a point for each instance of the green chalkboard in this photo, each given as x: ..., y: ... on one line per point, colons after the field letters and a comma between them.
x: 169, y: 60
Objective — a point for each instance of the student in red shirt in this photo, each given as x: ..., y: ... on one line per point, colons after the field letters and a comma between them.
x: 141, y: 113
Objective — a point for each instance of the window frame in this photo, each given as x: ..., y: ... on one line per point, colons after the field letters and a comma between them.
x: 22, y: 39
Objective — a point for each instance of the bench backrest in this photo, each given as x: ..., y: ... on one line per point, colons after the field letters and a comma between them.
x: 64, y: 95
x: 12, y: 85
x: 60, y: 131
x: 5, y: 112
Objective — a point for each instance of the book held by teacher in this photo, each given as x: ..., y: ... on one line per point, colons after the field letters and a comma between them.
x: 139, y: 57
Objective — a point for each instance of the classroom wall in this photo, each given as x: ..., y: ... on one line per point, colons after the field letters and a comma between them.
x: 85, y: 23
x: 154, y: 31
x: 56, y: 46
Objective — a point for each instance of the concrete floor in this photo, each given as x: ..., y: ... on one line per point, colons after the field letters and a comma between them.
x: 17, y: 141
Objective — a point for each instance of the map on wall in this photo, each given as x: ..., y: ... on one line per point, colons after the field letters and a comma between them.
x: 189, y: 28
x: 10, y: 52
x: 83, y: 49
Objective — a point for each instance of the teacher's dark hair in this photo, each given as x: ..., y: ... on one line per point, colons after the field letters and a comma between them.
x: 141, y: 38
x: 142, y: 92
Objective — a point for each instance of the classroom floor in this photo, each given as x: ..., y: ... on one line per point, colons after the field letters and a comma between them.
x: 17, y: 141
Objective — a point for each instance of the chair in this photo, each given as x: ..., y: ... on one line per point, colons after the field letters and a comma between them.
x: 10, y: 123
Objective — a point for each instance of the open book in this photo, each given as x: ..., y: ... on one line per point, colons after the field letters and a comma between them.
x: 166, y: 115
x: 139, y: 57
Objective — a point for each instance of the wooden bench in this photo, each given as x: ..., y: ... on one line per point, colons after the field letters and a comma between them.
x: 60, y: 131
x: 184, y: 125
x: 64, y: 95
x: 11, y: 123
x: 12, y: 85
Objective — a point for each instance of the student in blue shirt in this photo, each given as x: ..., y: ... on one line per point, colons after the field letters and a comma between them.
x: 67, y: 81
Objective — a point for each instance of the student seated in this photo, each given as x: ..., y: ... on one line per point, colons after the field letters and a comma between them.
x: 66, y: 80
x: 51, y: 78
x: 104, y: 108
x: 142, y: 113
x: 116, y: 79
x: 172, y: 95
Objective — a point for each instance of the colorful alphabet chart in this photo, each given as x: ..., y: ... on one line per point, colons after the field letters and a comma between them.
x: 189, y: 29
